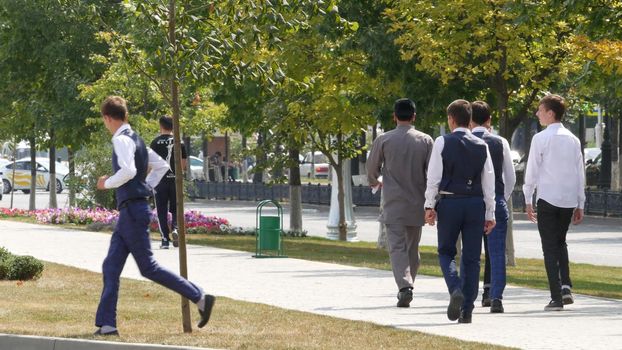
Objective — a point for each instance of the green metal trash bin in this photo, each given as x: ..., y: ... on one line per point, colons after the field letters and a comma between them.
x: 268, y: 231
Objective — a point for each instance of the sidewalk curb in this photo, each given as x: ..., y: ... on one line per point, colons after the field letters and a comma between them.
x: 27, y: 342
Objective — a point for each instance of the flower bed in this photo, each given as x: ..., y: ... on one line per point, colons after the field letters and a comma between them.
x: 195, y: 221
x: 12, y: 213
x: 76, y: 216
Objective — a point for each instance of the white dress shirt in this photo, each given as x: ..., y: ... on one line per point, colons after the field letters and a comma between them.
x: 124, y: 148
x: 509, y: 175
x: 435, y: 174
x: 555, y: 167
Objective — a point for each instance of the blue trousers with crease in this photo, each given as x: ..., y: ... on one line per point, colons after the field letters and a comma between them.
x: 131, y: 236
x: 466, y: 216
x: 494, y: 245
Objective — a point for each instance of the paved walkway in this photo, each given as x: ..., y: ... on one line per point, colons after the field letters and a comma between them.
x: 596, y: 241
x: 346, y: 292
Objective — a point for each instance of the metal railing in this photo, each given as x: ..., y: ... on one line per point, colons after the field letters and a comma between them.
x: 597, y: 202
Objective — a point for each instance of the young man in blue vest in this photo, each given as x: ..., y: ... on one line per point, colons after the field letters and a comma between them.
x: 505, y: 179
x: 131, y: 160
x: 461, y: 174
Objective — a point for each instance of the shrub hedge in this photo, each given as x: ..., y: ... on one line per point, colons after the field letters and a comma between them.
x: 17, y: 267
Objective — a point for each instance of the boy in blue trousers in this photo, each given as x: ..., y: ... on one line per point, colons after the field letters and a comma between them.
x: 131, y: 161
x: 461, y: 191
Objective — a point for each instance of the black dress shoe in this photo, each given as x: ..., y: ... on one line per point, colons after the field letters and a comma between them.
x: 486, y: 297
x: 404, y: 297
x: 554, y: 305
x: 455, y: 303
x: 99, y: 332
x: 207, y: 310
x: 496, y: 307
x: 465, y: 317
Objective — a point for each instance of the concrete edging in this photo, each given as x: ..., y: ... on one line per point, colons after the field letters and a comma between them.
x: 26, y: 342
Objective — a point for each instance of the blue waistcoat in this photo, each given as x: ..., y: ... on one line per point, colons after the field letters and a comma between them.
x: 136, y: 187
x: 495, y: 147
x: 463, y: 156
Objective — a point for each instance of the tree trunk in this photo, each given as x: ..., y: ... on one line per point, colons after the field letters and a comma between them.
x: 510, y: 257
x: 244, y: 161
x: 227, y: 155
x: 500, y: 87
x: 32, y: 204
x: 52, y: 182
x: 188, y: 149
x: 362, y: 158
x: 204, y: 148
x: 72, y: 177
x: 343, y: 229
x: 258, y: 175
x: 13, y: 172
x: 295, y: 193
x: 615, y: 175
x: 619, y: 155
x: 179, y: 180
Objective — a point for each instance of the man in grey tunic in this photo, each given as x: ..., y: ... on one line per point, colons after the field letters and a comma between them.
x: 401, y: 156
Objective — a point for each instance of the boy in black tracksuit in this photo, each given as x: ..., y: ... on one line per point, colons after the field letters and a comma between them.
x: 165, y: 191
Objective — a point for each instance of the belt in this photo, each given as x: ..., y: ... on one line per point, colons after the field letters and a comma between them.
x: 456, y: 196
x: 132, y: 200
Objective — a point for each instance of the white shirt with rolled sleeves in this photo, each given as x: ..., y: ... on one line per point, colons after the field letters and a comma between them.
x: 435, y: 174
x: 509, y: 175
x: 555, y: 168
x: 125, y: 148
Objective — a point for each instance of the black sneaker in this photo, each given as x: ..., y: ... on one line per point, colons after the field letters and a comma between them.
x: 554, y: 305
x: 175, y: 236
x: 404, y: 297
x: 164, y: 244
x: 496, y: 306
x: 455, y: 304
x: 567, y: 297
x: 486, y: 297
x: 465, y: 317
x: 207, y: 310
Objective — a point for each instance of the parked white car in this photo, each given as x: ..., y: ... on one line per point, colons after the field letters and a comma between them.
x: 591, y: 154
x: 322, y: 168
x: 21, y: 168
x: 196, y: 168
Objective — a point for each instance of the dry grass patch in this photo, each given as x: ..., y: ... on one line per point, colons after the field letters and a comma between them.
x: 63, y: 302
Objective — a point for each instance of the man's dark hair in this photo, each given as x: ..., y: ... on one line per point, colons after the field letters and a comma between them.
x: 404, y: 109
x: 166, y: 122
x: 460, y: 112
x: 480, y: 112
x: 556, y: 104
x: 115, y: 107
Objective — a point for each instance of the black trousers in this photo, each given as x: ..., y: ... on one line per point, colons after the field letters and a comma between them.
x: 166, y: 202
x: 553, y: 225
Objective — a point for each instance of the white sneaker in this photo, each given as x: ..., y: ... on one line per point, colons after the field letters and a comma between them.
x: 175, y: 236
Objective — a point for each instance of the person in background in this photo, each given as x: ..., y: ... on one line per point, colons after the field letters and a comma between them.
x: 505, y: 179
x: 402, y: 156
x: 555, y: 168
x: 165, y: 193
